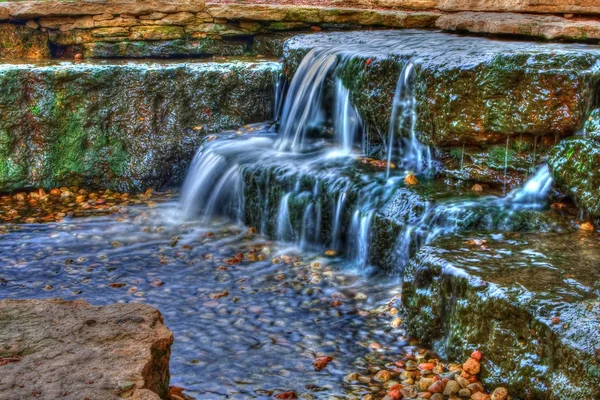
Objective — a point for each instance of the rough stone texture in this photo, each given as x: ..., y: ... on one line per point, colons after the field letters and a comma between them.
x: 527, y: 6
x: 529, y: 302
x: 539, y: 26
x: 36, y: 9
x: 126, y: 127
x: 575, y: 165
x: 481, y: 96
x: 164, y: 48
x: 53, y: 349
x: 22, y: 42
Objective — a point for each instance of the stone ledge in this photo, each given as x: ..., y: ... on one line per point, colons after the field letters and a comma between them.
x: 527, y: 6
x: 540, y: 26
x: 70, y: 349
x: 529, y: 302
x: 36, y: 9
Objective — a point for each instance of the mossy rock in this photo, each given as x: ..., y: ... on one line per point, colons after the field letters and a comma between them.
x: 575, y: 165
x: 18, y: 42
x: 125, y: 127
x: 529, y: 302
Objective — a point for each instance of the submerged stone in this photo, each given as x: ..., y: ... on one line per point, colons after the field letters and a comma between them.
x: 122, y: 126
x: 502, y: 294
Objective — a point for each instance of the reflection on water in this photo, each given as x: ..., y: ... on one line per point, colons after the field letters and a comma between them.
x: 245, y: 326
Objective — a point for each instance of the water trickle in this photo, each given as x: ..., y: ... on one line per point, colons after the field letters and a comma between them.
x: 347, y: 125
x: 506, y: 165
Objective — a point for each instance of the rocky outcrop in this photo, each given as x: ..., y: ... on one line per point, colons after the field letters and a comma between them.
x: 70, y: 349
x: 528, y: 302
x: 545, y: 27
x: 126, y: 127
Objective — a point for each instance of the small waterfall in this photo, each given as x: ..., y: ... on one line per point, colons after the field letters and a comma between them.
x: 303, y: 112
x: 413, y: 155
x: 536, y: 189
x: 347, y: 124
x: 316, y: 192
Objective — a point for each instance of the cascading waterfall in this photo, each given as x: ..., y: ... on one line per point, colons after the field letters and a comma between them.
x: 303, y: 186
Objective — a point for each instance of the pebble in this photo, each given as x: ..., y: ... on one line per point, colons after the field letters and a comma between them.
x: 382, y: 376
x: 472, y: 366
x: 452, y: 388
x: 411, y: 180
x: 500, y: 394
x: 436, y: 387
x: 464, y: 392
x: 396, y: 322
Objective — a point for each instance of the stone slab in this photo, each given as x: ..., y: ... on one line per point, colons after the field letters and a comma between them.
x: 527, y: 6
x: 53, y: 349
x: 539, y: 26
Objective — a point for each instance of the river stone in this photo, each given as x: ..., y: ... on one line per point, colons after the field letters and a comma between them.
x: 22, y: 42
x: 71, y: 349
x: 546, y: 27
x: 121, y: 126
x: 529, y: 302
x: 575, y: 165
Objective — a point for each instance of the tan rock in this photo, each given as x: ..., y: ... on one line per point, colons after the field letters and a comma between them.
x: 527, y: 6
x: 247, y: 12
x: 120, y: 21
x: 36, y: 9
x: 540, y: 26
x: 156, y: 33
x: 154, y: 16
x: 97, y: 352
x: 411, y: 180
x: 500, y: 394
x: 177, y: 19
x: 32, y: 24
x: 110, y: 32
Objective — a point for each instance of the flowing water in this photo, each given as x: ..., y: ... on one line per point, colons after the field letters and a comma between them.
x: 274, y: 308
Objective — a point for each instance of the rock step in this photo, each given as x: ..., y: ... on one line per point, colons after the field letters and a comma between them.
x: 70, y: 349
x: 477, y: 98
x: 122, y: 126
x: 529, y: 302
x: 545, y: 27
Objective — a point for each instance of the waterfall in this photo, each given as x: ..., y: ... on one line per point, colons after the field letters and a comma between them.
x: 303, y: 185
x: 304, y: 112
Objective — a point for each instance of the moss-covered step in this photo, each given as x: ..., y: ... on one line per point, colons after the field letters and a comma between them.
x: 473, y: 91
x: 529, y: 302
x: 122, y: 126
x: 575, y: 165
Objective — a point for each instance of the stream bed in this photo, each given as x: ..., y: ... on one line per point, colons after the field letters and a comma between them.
x: 249, y: 315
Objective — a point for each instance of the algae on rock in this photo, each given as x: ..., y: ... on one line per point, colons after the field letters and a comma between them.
x: 123, y: 126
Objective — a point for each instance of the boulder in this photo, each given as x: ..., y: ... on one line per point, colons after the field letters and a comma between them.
x: 71, y: 349
x: 545, y: 27
x: 528, y: 302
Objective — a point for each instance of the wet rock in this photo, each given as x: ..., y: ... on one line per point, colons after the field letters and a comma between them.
x: 93, y: 352
x: 464, y: 392
x: 382, y: 376
x: 518, y: 351
x: 574, y: 164
x: 472, y: 366
x: 143, y: 122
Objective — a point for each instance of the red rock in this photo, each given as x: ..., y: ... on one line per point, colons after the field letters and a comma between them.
x: 477, y: 355
x: 479, y: 396
x: 395, y: 394
x: 436, y: 387
x: 286, y: 395
x: 426, y: 366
